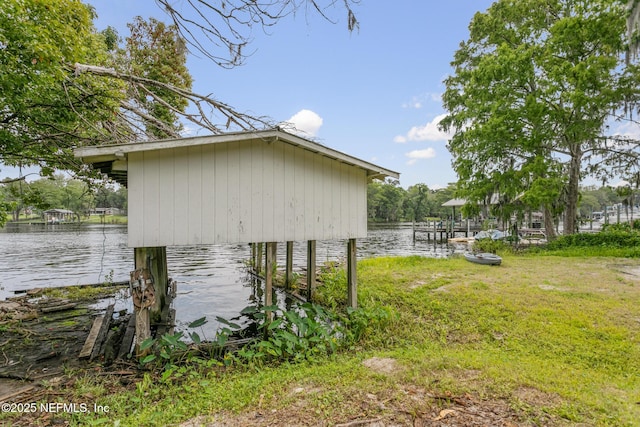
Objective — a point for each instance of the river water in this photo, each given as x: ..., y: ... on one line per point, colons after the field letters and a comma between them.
x: 212, y: 280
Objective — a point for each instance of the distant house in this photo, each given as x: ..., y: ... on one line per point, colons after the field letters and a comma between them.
x: 106, y: 211
x: 54, y: 216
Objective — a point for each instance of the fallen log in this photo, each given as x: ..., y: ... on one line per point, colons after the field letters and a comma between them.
x: 61, y: 307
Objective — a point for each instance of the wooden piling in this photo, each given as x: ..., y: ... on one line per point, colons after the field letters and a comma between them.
x: 268, y: 277
x: 258, y: 266
x: 311, y: 269
x: 155, y: 260
x: 288, y: 275
x: 352, y: 278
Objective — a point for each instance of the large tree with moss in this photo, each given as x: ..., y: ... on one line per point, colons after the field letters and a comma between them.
x: 530, y: 99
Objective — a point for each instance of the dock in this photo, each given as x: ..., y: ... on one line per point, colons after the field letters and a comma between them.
x: 444, y: 230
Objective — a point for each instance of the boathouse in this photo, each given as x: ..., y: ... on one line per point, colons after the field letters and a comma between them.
x: 247, y: 187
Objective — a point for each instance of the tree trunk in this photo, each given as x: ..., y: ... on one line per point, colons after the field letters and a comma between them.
x: 549, y: 229
x: 573, y: 187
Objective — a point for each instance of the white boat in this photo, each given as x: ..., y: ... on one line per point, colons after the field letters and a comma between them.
x: 484, y: 258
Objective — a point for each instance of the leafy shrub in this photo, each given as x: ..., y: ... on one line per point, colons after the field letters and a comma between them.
x: 361, y: 323
x: 622, y: 226
x: 296, y: 335
x: 490, y: 245
x: 610, y: 238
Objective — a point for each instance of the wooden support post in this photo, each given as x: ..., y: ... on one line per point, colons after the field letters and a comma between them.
x: 258, y: 266
x: 311, y: 268
x: 288, y: 275
x: 150, y: 294
x: 352, y: 276
x: 253, y: 255
x: 155, y: 260
x: 268, y: 277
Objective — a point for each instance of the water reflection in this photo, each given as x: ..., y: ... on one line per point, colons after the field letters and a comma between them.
x: 212, y: 280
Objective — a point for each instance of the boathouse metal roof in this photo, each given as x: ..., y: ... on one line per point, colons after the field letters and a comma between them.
x: 258, y: 186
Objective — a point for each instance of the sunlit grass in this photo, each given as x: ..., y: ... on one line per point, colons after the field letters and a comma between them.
x: 564, y: 330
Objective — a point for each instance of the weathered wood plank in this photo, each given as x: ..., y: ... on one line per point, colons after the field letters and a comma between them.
x: 127, y: 340
x: 268, y: 278
x: 87, y: 348
x: 288, y: 275
x: 18, y: 392
x: 102, y: 333
x: 311, y: 268
x: 352, y: 278
x: 60, y: 307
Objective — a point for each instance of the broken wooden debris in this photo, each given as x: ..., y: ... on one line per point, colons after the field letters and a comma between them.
x: 97, y: 334
x: 102, y: 333
x: 127, y: 340
x: 59, y: 307
x: 87, y: 348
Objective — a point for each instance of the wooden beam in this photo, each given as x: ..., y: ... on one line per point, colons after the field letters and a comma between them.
x: 311, y: 268
x: 155, y: 260
x: 258, y: 266
x: 352, y: 277
x: 98, y: 348
x: 127, y: 340
x: 288, y: 275
x: 87, y: 348
x: 268, y: 277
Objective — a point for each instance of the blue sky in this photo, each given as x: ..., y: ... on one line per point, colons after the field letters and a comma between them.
x: 374, y: 93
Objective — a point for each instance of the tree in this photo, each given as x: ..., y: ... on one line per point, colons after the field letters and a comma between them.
x: 385, y: 201
x: 529, y: 102
x: 417, y: 202
x: 43, y: 106
x: 156, y: 52
x: 633, y: 22
x: 63, y: 86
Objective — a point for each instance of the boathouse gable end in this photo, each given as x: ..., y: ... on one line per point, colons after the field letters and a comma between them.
x: 267, y: 186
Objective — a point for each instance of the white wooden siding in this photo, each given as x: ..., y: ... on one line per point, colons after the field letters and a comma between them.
x: 242, y: 192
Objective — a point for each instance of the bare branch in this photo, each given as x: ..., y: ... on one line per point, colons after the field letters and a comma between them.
x: 227, y: 26
x: 229, y: 115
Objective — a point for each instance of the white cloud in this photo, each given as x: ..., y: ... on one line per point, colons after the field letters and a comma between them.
x: 627, y: 130
x: 427, y: 132
x: 418, y: 102
x: 304, y: 122
x: 400, y: 139
x: 415, y: 155
x: 414, y: 103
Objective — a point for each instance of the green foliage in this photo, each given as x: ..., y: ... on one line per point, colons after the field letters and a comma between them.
x: 610, y: 238
x: 366, y: 324
x: 42, y: 99
x: 492, y: 246
x: 388, y: 202
x: 57, y: 192
x: 156, y: 52
x: 304, y: 333
x: 167, y: 350
x: 331, y: 294
x: 531, y: 93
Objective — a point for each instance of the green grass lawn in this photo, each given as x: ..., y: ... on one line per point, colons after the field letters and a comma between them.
x: 105, y: 219
x: 539, y: 340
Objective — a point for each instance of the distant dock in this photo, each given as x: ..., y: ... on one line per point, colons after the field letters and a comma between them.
x: 444, y: 230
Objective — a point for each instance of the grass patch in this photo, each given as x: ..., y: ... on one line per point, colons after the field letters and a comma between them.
x: 106, y: 219
x: 545, y: 340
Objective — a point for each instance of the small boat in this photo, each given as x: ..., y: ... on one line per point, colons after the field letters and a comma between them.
x: 484, y: 258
